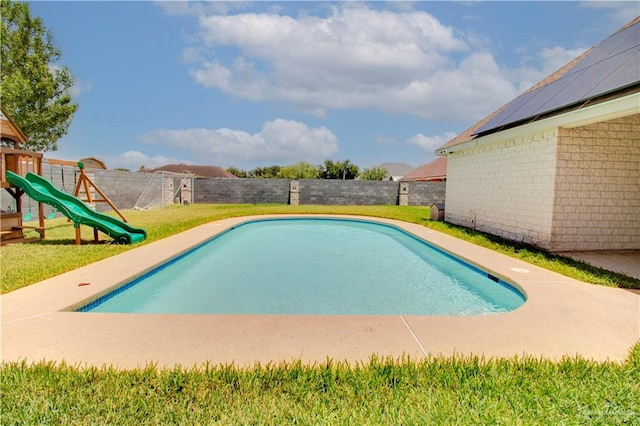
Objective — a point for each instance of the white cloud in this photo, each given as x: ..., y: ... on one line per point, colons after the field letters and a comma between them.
x: 402, y: 61
x: 405, y: 62
x: 133, y: 160
x: 242, y: 79
x: 547, y: 61
x: 554, y: 58
x: 279, y: 141
x: 79, y: 87
x: 429, y: 143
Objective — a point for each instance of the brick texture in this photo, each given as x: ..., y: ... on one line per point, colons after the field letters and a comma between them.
x: 348, y: 192
x: 598, y: 187
x: 241, y: 191
x: 124, y: 189
x: 505, y: 188
x: 561, y: 189
x: 426, y: 193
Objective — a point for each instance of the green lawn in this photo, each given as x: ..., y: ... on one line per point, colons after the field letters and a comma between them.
x: 462, y: 390
x: 436, y: 391
x: 27, y: 263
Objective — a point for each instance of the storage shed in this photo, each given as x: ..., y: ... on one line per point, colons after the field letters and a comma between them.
x: 559, y: 166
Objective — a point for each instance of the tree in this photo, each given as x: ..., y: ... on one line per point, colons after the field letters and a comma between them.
x: 270, y: 172
x: 330, y: 170
x: 339, y: 170
x: 34, y: 90
x: 301, y: 170
x: 374, y: 173
x: 237, y: 172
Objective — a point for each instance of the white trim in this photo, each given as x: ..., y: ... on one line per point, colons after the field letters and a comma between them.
x: 615, y: 108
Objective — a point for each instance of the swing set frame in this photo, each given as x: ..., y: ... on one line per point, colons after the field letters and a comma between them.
x: 84, y: 188
x: 21, y: 162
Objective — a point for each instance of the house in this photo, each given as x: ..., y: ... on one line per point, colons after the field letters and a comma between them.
x: 435, y: 171
x: 559, y: 166
x: 395, y: 171
x: 200, y: 171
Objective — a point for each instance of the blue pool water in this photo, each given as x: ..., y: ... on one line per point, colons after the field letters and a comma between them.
x: 314, y: 266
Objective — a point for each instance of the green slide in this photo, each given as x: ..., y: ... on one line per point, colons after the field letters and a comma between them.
x: 75, y: 209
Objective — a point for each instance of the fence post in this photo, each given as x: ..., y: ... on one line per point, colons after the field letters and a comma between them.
x: 404, y: 194
x: 294, y: 192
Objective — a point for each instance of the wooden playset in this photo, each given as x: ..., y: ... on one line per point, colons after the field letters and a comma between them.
x: 20, y: 162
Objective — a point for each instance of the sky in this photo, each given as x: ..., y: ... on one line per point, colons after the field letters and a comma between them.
x: 253, y: 84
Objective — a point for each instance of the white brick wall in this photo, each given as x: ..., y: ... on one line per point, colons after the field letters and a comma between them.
x: 598, y: 187
x: 505, y: 187
x: 510, y: 187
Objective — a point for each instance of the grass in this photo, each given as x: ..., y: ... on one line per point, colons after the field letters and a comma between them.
x: 458, y: 390
x: 27, y: 263
x: 434, y: 391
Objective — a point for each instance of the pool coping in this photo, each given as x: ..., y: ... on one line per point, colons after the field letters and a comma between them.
x: 562, y: 317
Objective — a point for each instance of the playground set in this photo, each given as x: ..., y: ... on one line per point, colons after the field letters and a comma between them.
x: 22, y: 174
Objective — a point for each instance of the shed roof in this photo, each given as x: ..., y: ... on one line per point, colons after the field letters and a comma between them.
x: 435, y: 170
x: 606, y: 71
x: 93, y: 163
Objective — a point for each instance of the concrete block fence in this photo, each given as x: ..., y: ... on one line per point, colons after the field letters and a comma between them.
x: 315, y: 191
x: 241, y: 191
x: 124, y: 189
x: 348, y: 192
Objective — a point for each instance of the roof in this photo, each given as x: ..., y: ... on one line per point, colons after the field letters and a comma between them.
x: 435, y: 170
x: 204, y: 171
x: 607, y: 70
x: 9, y: 129
x: 396, y: 169
x: 93, y: 163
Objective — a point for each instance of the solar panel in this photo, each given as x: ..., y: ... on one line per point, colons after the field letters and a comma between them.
x: 616, y: 43
x: 592, y: 77
x: 632, y: 40
x: 512, y: 108
x: 542, y: 98
x: 612, y: 64
x: 624, y: 76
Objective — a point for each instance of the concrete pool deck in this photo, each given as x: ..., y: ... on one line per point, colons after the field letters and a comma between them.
x: 562, y: 317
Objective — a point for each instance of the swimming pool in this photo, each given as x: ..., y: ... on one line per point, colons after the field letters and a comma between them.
x: 313, y: 266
